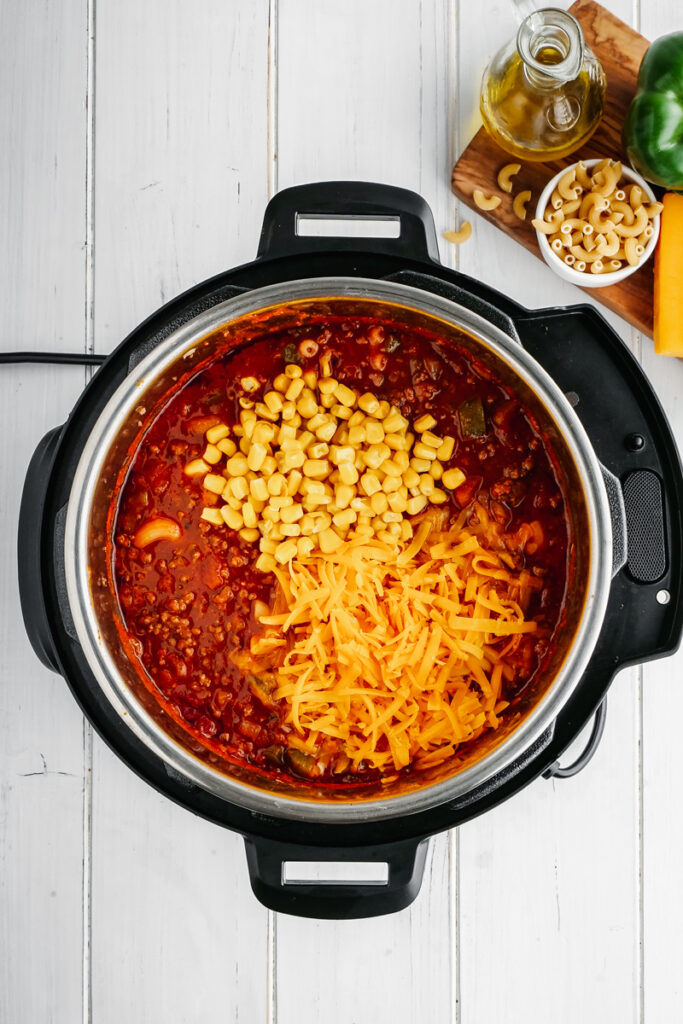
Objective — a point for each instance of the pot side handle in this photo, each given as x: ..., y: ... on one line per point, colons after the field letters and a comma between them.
x: 359, y: 201
x: 389, y: 891
x: 30, y: 561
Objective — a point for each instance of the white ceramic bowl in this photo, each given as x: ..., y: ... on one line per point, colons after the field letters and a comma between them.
x: 584, y: 279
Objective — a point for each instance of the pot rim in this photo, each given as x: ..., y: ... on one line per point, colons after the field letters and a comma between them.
x: 76, y: 552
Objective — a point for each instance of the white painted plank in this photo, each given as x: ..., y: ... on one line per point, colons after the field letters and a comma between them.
x: 181, y: 178
x: 363, y: 93
x: 549, y: 882
x: 42, y: 212
x: 662, y: 755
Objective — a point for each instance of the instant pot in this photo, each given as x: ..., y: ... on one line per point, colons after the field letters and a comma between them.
x: 586, y: 390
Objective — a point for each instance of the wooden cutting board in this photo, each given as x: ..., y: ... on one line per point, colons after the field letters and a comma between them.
x: 620, y: 51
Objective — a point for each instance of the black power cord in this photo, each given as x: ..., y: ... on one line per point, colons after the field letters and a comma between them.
x: 69, y: 358
x: 556, y: 771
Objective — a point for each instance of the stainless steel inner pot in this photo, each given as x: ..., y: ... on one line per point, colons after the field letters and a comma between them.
x: 141, y: 395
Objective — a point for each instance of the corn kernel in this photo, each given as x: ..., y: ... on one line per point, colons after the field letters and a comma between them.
x: 342, y: 412
x: 390, y: 467
x: 446, y: 450
x: 231, y: 500
x: 269, y: 466
x: 271, y: 515
x: 415, y: 505
x: 290, y: 530
x: 214, y: 483
x: 276, y: 484
x: 295, y: 388
x: 314, y: 501
x: 374, y: 431
x: 232, y: 518
x: 420, y: 465
x: 425, y: 422
x: 356, y: 436
x: 285, y: 551
x: 369, y: 404
x: 391, y: 517
x: 281, y: 382
x: 438, y: 497
x: 379, y: 502
x: 362, y: 506
x: 391, y: 483
x: 345, y: 518
x: 293, y: 482
x: 307, y: 406
x: 258, y: 489
x: 327, y: 431
x: 356, y: 418
x: 304, y: 546
x: 406, y: 530
x: 237, y: 465
x: 249, y: 515
x: 329, y: 541
x: 423, y: 451
x: 265, y: 563
x: 212, y: 515
x: 348, y: 474
x: 316, y: 469
x: 436, y: 469
x: 343, y: 495
x: 345, y: 395
x: 257, y: 454
x: 264, y: 412
x: 217, y: 433
x: 318, y: 450
x: 369, y: 483
x: 249, y: 384
x: 426, y: 484
x: 266, y: 545
x: 431, y: 440
x: 248, y: 420
x: 196, y: 467
x: 386, y: 536
x: 327, y: 386
x: 280, y: 502
x: 411, y: 477
x: 397, y: 501
x: 397, y: 442
x: 311, y: 378
x: 227, y: 446
x: 245, y: 403
x: 452, y: 478
x: 274, y: 401
x: 292, y: 370
x: 375, y: 455
x: 291, y: 513
x: 394, y: 422
x: 245, y: 445
x: 238, y: 487
x: 291, y: 460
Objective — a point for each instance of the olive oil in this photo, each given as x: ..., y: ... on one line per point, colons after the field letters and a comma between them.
x: 543, y: 97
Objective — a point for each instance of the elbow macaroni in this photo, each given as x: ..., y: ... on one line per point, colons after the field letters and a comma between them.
x: 594, y: 222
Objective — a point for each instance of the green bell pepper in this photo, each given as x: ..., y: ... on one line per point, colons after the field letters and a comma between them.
x: 653, y: 130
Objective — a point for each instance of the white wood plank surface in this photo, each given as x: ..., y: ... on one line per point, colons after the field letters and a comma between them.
x: 662, y: 756
x: 42, y: 213
x: 181, y: 177
x: 155, y: 133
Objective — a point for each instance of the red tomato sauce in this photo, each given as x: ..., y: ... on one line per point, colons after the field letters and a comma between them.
x: 186, y: 604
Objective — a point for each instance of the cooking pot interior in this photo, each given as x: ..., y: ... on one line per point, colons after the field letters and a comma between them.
x: 152, y: 395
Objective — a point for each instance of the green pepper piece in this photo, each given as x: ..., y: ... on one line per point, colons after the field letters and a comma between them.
x: 472, y: 418
x: 653, y: 130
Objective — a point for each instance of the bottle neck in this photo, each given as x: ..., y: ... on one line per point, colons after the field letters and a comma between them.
x: 550, y: 43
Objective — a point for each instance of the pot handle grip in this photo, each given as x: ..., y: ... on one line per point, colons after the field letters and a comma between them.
x: 344, y: 201
x: 31, y: 568
x: 273, y: 865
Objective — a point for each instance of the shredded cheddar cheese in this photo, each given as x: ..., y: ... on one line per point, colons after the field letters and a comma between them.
x: 398, y: 658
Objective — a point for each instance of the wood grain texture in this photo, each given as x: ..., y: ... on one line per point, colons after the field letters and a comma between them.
x: 42, y: 278
x: 181, y: 181
x: 620, y: 49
